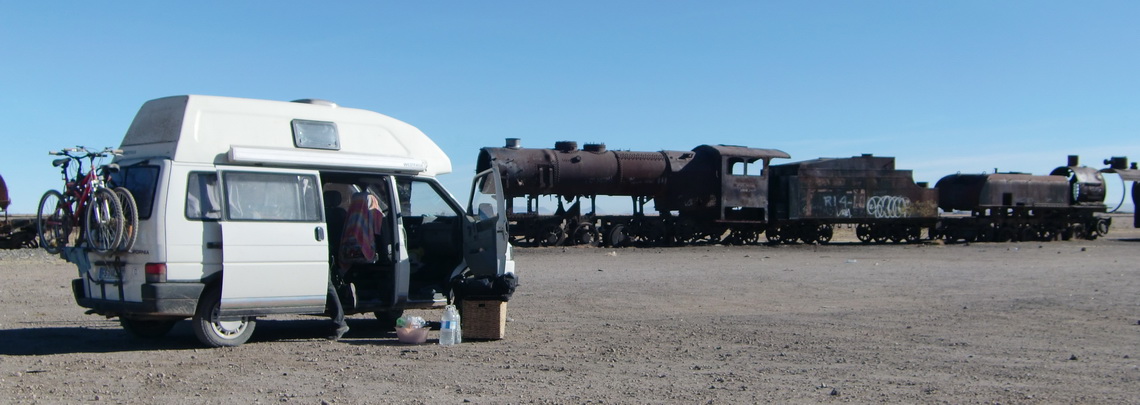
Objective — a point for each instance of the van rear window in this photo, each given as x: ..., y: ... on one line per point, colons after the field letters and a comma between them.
x: 141, y: 180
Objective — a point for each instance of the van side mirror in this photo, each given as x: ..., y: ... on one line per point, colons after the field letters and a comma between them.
x: 486, y: 210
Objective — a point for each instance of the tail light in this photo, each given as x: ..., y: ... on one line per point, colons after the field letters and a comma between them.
x: 155, y: 272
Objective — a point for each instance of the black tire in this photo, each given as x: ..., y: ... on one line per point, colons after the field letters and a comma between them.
x: 213, y: 332
x: 147, y: 328
x: 103, y: 221
x: 130, y: 219
x: 53, y: 222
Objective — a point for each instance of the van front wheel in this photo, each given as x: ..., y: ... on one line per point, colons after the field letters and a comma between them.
x: 211, y: 330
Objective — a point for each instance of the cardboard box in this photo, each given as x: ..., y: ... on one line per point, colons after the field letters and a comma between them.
x: 484, y: 319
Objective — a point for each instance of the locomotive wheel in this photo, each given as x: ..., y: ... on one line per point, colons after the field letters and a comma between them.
x: 825, y: 233
x: 912, y: 234
x: 789, y: 235
x: 897, y: 233
x: 986, y: 234
x: 1004, y: 234
x: 552, y: 235
x: 649, y: 232
x: 879, y: 234
x: 685, y: 231
x: 585, y: 235
x: 745, y: 237
x: 773, y: 235
x: 1026, y: 234
x: 617, y: 236
x: 863, y: 232
x: 808, y: 233
x: 1102, y: 226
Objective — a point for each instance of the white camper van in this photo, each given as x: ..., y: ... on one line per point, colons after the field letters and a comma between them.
x: 248, y: 208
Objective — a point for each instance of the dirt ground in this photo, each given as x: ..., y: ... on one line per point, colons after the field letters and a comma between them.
x: 1055, y: 322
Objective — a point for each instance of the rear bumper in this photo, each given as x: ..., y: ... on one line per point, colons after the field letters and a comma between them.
x: 163, y: 299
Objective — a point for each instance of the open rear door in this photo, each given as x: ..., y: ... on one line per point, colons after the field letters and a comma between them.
x: 486, y: 240
x: 275, y: 252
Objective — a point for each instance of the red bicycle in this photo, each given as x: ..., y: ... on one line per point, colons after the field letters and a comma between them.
x: 107, y: 217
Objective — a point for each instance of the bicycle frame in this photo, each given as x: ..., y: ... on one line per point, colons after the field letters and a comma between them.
x: 77, y: 191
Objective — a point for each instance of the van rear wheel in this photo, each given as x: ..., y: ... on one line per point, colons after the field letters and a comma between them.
x: 214, y: 332
x: 147, y: 328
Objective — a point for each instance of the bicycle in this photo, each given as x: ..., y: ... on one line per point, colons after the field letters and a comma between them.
x: 107, y: 216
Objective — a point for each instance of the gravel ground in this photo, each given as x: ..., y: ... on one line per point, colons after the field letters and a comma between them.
x: 1051, y: 322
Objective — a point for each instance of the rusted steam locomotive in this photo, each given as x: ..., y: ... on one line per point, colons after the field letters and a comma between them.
x: 733, y: 194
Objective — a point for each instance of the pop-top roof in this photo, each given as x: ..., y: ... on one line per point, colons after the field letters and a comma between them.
x: 226, y: 130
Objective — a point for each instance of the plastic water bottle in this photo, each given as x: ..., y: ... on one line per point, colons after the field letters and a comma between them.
x: 449, y: 333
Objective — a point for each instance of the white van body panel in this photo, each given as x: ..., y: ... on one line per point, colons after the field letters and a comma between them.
x: 203, y: 129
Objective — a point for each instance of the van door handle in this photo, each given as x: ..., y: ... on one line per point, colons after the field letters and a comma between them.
x: 320, y: 233
x: 213, y: 245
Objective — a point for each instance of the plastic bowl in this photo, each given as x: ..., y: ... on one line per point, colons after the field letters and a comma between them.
x: 412, y: 335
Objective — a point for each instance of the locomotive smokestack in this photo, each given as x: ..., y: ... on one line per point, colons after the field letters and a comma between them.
x: 513, y: 143
x: 1074, y: 160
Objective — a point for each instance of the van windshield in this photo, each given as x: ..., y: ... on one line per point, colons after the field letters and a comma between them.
x: 141, y: 180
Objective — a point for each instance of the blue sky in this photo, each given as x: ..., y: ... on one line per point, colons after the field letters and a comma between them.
x: 946, y: 87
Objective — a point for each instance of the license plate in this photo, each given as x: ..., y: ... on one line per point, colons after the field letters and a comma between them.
x: 108, y: 274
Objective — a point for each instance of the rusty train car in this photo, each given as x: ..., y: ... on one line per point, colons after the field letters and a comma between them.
x: 15, y: 231
x: 1019, y: 206
x: 734, y: 194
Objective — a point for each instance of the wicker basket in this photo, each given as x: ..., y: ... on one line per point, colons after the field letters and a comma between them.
x: 484, y: 319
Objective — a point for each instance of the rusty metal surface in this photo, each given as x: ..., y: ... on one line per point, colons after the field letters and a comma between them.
x: 4, y: 200
x: 857, y: 188
x: 1087, y: 183
x: 967, y: 192
x: 708, y: 188
x: 569, y: 171
x: 680, y: 180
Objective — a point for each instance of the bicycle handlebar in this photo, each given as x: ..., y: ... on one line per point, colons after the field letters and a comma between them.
x: 80, y: 152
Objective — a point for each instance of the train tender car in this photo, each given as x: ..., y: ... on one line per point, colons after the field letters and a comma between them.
x: 694, y: 200
x: 1022, y: 207
x: 809, y: 198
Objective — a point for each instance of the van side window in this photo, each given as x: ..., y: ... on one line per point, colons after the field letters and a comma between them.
x: 272, y: 197
x: 202, y: 196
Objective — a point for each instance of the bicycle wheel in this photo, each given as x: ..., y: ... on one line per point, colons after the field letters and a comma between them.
x: 130, y: 219
x: 103, y: 222
x: 53, y: 223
